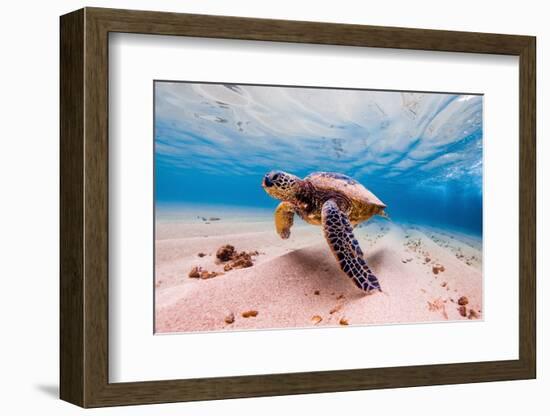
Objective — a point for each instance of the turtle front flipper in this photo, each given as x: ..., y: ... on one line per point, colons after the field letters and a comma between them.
x: 344, y: 245
x: 284, y: 218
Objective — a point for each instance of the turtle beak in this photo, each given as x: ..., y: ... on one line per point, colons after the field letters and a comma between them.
x: 267, y: 181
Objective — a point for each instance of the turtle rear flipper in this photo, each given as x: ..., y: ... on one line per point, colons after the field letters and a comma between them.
x: 344, y: 245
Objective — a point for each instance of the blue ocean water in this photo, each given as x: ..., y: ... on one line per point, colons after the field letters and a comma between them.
x: 420, y: 153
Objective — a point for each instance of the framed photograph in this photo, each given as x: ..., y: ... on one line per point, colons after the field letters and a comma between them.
x: 255, y: 207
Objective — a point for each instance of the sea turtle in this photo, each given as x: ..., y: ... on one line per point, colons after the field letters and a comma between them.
x: 335, y: 201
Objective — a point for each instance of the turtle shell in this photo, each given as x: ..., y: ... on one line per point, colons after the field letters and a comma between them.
x: 337, y: 182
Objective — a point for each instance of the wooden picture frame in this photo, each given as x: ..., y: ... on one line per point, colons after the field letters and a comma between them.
x: 84, y: 207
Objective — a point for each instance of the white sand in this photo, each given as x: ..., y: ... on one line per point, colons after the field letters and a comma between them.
x: 281, y: 285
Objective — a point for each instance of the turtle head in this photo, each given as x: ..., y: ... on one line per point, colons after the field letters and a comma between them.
x: 281, y: 185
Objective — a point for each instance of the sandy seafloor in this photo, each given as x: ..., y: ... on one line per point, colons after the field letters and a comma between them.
x: 296, y: 283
